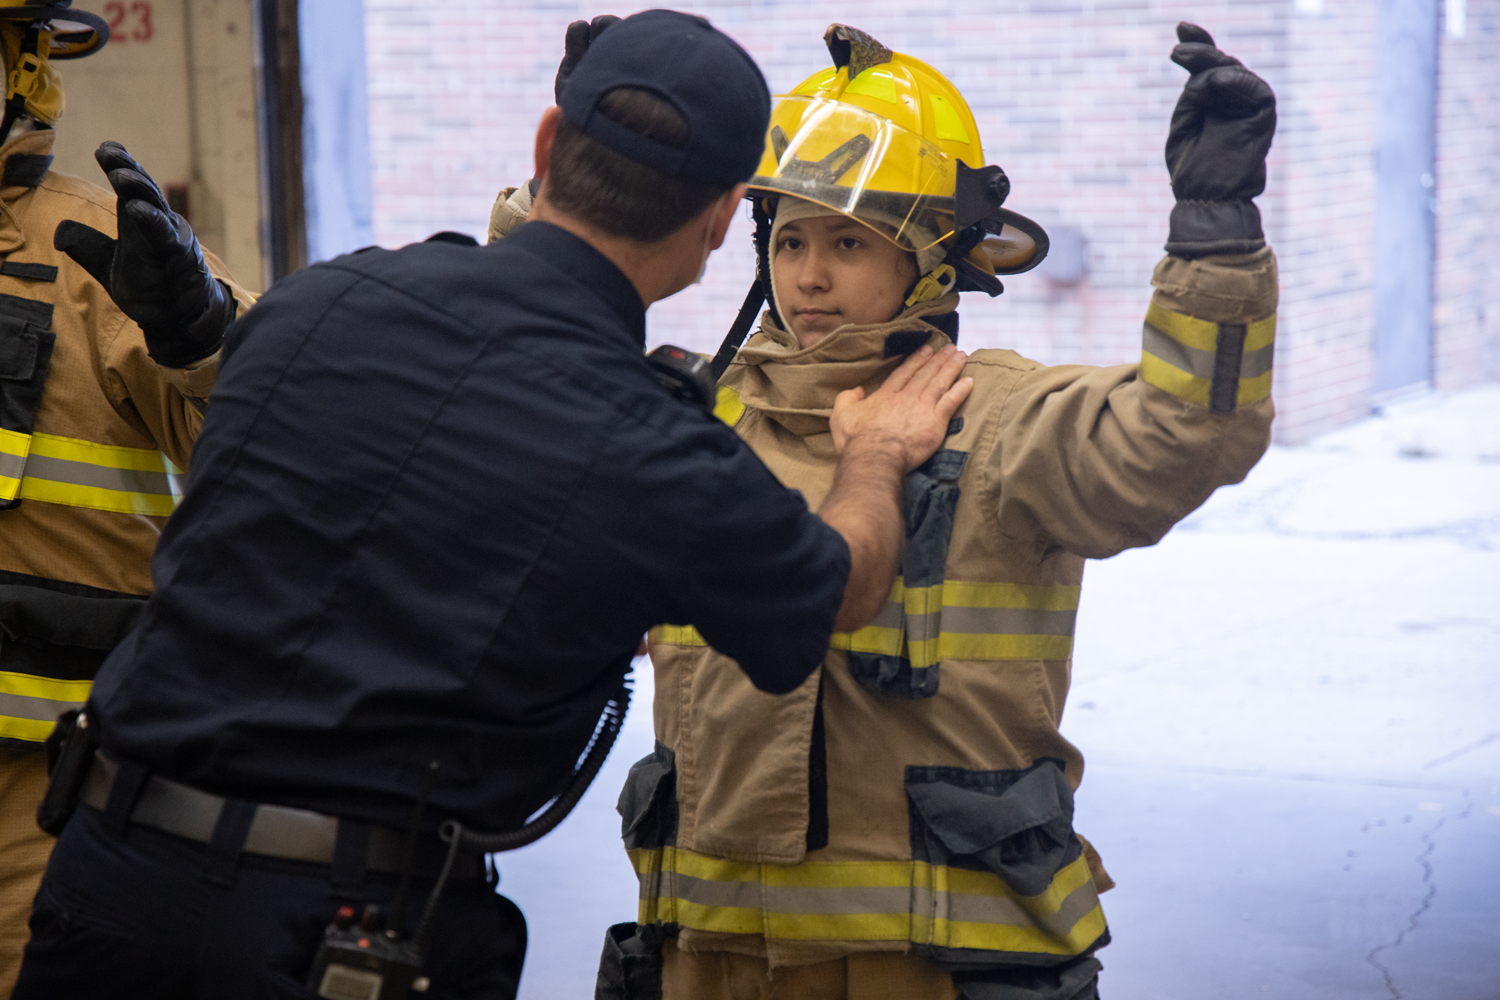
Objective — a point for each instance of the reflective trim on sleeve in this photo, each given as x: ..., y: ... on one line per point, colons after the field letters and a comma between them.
x: 1178, y: 354
x: 103, y: 477
x: 953, y: 620
x: 932, y: 905
x: 727, y: 405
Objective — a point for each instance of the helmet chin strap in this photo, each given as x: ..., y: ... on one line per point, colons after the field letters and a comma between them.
x: 22, y: 80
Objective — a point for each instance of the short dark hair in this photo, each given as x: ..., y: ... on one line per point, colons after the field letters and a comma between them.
x: 596, y: 185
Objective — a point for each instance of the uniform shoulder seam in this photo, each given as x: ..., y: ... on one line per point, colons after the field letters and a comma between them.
x: 69, y: 186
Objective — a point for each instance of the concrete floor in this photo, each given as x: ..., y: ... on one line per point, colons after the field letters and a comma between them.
x: 1291, y: 713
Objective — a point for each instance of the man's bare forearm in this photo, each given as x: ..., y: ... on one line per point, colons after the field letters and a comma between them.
x: 864, y: 506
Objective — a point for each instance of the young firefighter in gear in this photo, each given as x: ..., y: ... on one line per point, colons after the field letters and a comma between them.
x: 900, y: 826
x: 319, y: 698
x: 93, y: 391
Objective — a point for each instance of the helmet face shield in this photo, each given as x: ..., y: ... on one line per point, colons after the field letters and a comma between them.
x: 862, y: 165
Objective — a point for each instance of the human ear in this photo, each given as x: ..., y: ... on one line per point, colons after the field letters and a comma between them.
x: 546, y: 134
x: 723, y: 215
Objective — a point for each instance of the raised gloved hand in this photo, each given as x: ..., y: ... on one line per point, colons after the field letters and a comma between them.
x: 576, y: 42
x: 155, y: 271
x: 1216, y: 150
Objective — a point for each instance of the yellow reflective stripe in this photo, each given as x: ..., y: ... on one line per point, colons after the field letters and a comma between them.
x: 972, y: 594
x: 108, y: 455
x: 727, y: 405
x: 13, y: 449
x: 677, y: 635
x: 1261, y: 333
x: 1188, y: 330
x: 961, y: 646
x: 839, y: 926
x: 30, y: 705
x: 1179, y: 383
x: 31, y: 686
x: 104, y: 477
x: 1032, y: 605
x: 857, y: 900
x: 870, y: 639
x: 1008, y: 937
x: 14, y: 443
x: 1198, y: 335
x: 31, y: 730
x: 1253, y: 390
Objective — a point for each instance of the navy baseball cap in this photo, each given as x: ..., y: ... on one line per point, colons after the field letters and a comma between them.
x: 700, y: 71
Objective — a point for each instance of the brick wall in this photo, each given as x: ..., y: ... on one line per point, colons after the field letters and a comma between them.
x: 1073, y: 99
x: 1324, y: 234
x: 1466, y: 316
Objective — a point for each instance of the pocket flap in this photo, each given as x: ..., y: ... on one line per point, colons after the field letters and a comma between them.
x: 648, y: 802
x: 970, y: 822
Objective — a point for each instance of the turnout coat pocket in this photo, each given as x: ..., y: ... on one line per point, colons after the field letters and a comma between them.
x: 998, y: 876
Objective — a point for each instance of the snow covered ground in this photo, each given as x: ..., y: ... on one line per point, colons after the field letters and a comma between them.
x: 1291, y: 713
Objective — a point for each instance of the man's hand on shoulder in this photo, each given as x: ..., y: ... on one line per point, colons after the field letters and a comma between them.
x: 880, y: 438
x: 909, y: 414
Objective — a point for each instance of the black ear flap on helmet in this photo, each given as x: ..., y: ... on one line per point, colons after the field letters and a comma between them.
x: 992, y: 240
x: 977, y: 193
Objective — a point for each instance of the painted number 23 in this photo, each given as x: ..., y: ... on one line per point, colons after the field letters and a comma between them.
x: 129, y: 22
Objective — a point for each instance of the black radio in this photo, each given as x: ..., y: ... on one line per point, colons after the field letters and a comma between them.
x: 365, y: 961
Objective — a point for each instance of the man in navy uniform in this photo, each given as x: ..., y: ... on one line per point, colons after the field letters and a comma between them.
x: 438, y: 497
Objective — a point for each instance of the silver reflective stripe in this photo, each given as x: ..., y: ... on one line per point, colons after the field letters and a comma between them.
x: 1257, y: 363
x: 20, y: 706
x: 62, y: 470
x: 799, y: 899
x: 893, y: 615
x: 813, y: 900
x: 741, y: 895
x: 892, y: 900
x: 1178, y: 354
x: 1007, y: 621
x: 1003, y: 910
x: 11, y: 466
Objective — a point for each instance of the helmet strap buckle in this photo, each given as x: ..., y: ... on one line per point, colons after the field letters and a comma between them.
x: 937, y: 282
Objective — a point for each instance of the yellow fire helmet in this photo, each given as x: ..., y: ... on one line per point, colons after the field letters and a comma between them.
x: 885, y: 139
x: 34, y: 32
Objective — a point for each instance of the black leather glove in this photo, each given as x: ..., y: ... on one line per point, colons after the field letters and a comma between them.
x: 575, y: 43
x: 1216, y: 150
x: 155, y: 272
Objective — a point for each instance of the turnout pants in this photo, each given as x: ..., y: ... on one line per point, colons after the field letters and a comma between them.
x: 871, y: 976
x: 126, y: 911
x: 23, y: 853
x: 635, y: 966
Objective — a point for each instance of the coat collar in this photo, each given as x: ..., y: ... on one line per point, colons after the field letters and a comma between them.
x: 24, y: 161
x: 795, y: 386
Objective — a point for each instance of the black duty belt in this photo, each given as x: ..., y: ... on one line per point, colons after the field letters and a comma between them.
x: 275, y: 831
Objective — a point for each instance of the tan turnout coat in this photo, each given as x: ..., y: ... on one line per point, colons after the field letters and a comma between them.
x: 932, y: 735
x: 93, y: 483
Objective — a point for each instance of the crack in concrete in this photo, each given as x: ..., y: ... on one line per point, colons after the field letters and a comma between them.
x: 1480, y: 744
x: 1425, y: 860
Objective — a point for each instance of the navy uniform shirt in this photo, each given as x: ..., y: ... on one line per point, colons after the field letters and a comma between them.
x: 438, y: 497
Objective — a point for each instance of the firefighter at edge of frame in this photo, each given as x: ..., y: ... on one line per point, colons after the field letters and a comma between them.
x: 107, y: 352
x: 907, y: 812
